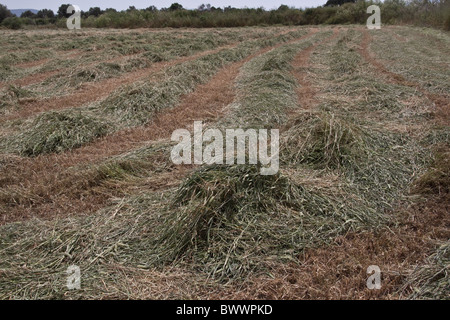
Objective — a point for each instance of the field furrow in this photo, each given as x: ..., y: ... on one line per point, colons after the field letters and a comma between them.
x: 46, y: 174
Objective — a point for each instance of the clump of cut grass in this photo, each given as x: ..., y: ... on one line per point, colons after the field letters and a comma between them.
x: 19, y: 92
x: 230, y: 220
x: 431, y: 280
x: 57, y: 132
x: 436, y: 180
x: 324, y: 141
x: 137, y: 163
x: 11, y: 96
x: 101, y: 71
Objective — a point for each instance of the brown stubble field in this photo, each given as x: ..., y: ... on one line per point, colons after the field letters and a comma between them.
x: 86, y: 177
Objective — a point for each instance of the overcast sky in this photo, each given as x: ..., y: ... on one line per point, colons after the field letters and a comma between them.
x: 140, y: 4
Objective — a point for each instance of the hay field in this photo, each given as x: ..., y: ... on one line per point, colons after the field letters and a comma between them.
x: 86, y: 177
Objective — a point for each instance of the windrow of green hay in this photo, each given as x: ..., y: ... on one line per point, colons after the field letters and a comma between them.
x: 229, y: 221
x: 342, y: 170
x: 436, y: 180
x: 142, y: 55
x: 431, y: 281
x: 419, y: 59
x: 266, y: 87
x: 362, y: 127
x: 102, y: 56
x: 57, y: 132
x: 136, y: 104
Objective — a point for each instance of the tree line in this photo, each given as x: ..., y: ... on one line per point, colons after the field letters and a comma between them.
x: 433, y: 13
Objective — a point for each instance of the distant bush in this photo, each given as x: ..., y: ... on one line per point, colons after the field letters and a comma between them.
x: 12, y: 23
x: 424, y: 13
x: 4, y: 13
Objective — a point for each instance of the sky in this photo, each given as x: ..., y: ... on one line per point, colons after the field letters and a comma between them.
x: 141, y: 4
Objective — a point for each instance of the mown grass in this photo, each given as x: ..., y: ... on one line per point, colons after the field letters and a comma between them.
x: 56, y: 132
x: 131, y: 106
x: 127, y: 51
x: 436, y: 180
x: 343, y: 170
x: 229, y: 221
x: 419, y: 59
x: 266, y: 87
x: 431, y: 281
x: 136, y: 105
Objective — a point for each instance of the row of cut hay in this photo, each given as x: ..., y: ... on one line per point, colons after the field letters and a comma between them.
x: 268, y: 84
x: 228, y: 221
x: 430, y: 281
x: 101, y: 57
x: 146, y: 53
x: 353, y: 128
x: 93, y: 66
x: 131, y: 106
x: 56, y: 132
x: 135, y: 105
x: 344, y: 60
x: 419, y: 59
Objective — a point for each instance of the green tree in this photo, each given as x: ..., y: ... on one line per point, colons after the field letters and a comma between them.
x: 331, y: 3
x: 151, y: 9
x: 96, y: 11
x: 283, y: 7
x: 62, y: 11
x: 12, y: 23
x: 175, y: 6
x: 45, y: 13
x: 4, y: 13
x: 28, y: 14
